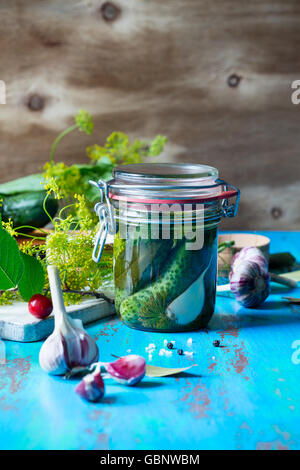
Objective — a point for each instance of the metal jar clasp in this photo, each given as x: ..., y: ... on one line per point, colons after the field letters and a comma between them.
x: 229, y: 209
x: 104, y: 210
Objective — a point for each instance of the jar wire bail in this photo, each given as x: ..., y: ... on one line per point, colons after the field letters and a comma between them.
x: 229, y: 210
x: 104, y: 211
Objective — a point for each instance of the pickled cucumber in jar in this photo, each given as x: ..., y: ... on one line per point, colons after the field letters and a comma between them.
x: 163, y: 285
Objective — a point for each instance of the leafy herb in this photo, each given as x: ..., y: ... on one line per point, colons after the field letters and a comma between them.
x: 70, y: 244
x: 153, y: 312
x: 33, y: 278
x: 11, y: 263
x: 70, y: 250
x: 83, y: 122
x: 118, y: 149
x: 18, y: 270
x: 67, y: 181
x: 222, y: 246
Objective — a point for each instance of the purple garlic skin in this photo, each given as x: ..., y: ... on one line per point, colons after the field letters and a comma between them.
x: 69, y: 345
x: 66, y: 348
x: 128, y: 370
x: 250, y: 283
x: 250, y: 253
x: 91, y: 387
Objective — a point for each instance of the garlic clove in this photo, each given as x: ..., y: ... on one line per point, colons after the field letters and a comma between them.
x: 128, y: 370
x: 69, y: 346
x: 91, y: 387
x: 52, y: 358
x: 79, y: 348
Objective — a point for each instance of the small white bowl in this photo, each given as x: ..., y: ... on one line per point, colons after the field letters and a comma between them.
x: 241, y: 240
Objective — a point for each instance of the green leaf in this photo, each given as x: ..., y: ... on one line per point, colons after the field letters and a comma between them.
x: 11, y: 263
x: 23, y: 185
x: 103, y: 169
x: 33, y: 278
x: 155, y: 371
x: 94, y: 172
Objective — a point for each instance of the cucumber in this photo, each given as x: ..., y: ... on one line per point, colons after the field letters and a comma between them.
x: 148, y: 306
x: 27, y: 209
x: 137, y: 262
x: 182, y: 268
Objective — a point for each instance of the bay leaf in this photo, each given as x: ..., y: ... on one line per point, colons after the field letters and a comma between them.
x: 156, y: 371
x: 294, y: 275
x: 293, y: 300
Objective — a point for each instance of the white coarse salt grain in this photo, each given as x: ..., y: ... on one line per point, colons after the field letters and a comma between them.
x: 165, y: 352
x: 188, y: 353
x: 150, y: 357
x: 150, y: 348
x: 128, y: 350
x: 189, y: 342
x: 165, y: 342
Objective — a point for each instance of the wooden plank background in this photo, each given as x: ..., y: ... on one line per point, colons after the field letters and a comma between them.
x: 213, y: 75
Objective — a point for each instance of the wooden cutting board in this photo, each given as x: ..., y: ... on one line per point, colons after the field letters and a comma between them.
x: 17, y: 324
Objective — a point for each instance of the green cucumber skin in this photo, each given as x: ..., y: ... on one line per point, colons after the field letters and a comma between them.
x: 137, y: 264
x: 180, y: 271
x: 27, y: 209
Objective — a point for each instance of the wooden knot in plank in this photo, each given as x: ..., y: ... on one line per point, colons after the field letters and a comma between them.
x: 110, y: 11
x: 35, y: 102
x: 233, y: 80
x: 276, y: 212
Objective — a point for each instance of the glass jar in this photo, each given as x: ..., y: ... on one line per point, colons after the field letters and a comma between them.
x: 164, y: 218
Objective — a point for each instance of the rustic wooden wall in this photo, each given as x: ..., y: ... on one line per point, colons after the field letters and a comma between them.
x: 213, y: 75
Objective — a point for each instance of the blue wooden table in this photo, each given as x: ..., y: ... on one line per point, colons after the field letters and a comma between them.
x: 245, y: 395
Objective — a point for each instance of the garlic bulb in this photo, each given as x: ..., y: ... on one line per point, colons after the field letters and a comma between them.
x: 91, y: 387
x: 250, y: 253
x: 69, y: 345
x: 128, y: 370
x: 249, y: 282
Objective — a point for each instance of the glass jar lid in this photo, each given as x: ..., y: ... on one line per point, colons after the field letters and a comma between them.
x: 151, y: 182
x: 164, y: 171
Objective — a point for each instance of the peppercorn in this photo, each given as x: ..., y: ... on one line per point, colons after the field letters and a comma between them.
x: 180, y: 352
x: 216, y: 343
x: 170, y: 345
